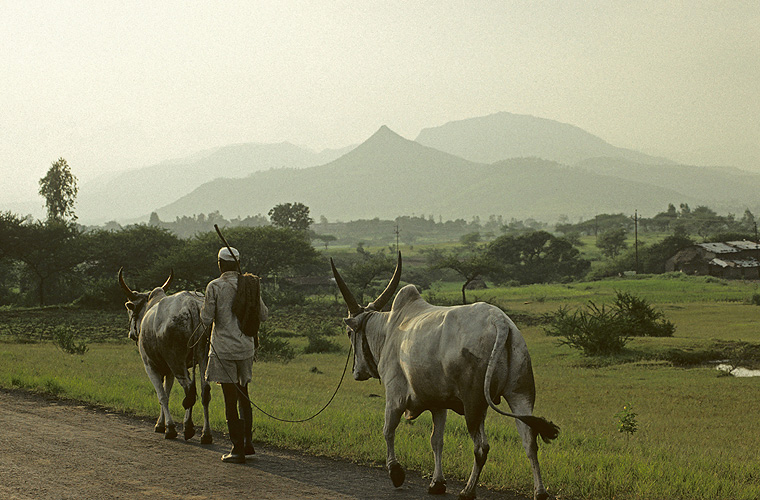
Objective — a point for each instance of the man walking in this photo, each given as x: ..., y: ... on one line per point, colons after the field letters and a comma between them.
x: 232, y: 351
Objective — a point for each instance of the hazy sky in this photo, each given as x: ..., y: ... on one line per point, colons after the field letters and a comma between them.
x: 110, y: 85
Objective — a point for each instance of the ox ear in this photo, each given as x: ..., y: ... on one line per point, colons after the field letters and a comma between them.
x: 352, y: 323
x: 129, y: 293
x: 384, y: 297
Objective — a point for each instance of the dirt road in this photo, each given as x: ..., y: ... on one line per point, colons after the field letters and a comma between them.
x: 59, y: 449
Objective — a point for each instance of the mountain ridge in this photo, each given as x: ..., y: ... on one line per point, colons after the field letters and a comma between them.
x: 388, y: 175
x: 504, y: 135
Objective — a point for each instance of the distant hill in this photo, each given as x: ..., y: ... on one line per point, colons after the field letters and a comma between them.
x: 130, y: 194
x: 388, y: 175
x: 504, y: 164
x: 501, y: 136
x: 726, y: 189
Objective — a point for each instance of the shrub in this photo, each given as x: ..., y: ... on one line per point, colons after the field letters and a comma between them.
x: 599, y: 330
x: 63, y: 338
x: 640, y: 319
x: 594, y: 330
x: 272, y: 348
x: 319, y: 344
x: 317, y: 335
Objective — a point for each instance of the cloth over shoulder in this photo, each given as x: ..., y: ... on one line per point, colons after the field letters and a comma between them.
x: 247, y: 305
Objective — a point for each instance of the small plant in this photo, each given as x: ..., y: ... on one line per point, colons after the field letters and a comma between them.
x: 755, y: 300
x: 63, y: 338
x: 627, y: 421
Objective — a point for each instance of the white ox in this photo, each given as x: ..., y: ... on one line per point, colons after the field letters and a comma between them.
x: 163, y: 327
x: 434, y: 358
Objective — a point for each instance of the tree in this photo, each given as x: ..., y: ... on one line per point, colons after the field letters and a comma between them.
x: 470, y: 263
x: 291, y: 215
x: 324, y: 238
x: 470, y: 240
x: 361, y: 273
x: 536, y: 257
x: 49, y: 250
x: 611, y: 243
x: 265, y: 251
x: 59, y: 188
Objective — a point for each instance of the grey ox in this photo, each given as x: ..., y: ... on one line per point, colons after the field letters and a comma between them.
x: 163, y: 327
x: 460, y: 358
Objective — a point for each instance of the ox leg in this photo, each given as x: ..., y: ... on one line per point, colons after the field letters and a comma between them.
x: 171, y: 428
x: 438, y: 483
x: 524, y: 406
x: 187, y: 403
x: 163, y: 387
x: 206, y: 437
x: 392, y: 419
x: 476, y: 419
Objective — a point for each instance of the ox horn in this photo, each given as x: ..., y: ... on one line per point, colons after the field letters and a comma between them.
x: 168, y: 281
x: 384, y: 297
x: 129, y: 293
x: 353, y: 307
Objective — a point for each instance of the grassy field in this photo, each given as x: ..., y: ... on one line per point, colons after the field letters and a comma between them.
x: 697, y: 432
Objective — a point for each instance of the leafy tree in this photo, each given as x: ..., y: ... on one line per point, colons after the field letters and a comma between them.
x: 536, y: 257
x: 59, y: 188
x: 654, y: 257
x: 611, y: 243
x: 291, y: 215
x: 748, y: 222
x: 265, y: 251
x: 324, y: 238
x: 49, y: 250
x: 362, y: 272
x: 470, y: 240
x: 470, y: 263
x: 140, y: 249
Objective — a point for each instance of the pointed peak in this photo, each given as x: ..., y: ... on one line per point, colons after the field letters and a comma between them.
x: 383, y: 138
x: 384, y: 131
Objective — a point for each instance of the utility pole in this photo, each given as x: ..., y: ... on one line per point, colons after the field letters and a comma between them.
x: 397, y: 231
x: 636, y: 238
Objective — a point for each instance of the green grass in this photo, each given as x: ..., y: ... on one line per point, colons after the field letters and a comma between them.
x: 697, y: 431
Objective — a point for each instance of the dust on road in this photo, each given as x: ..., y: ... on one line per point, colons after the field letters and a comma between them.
x: 59, y: 449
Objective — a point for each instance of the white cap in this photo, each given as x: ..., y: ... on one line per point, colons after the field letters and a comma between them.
x: 224, y: 254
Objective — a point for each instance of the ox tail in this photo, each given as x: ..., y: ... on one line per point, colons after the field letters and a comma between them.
x: 544, y: 428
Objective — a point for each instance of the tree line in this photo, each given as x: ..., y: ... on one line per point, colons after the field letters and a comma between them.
x: 56, y: 260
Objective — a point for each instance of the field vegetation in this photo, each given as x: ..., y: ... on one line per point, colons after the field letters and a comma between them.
x: 693, y: 433
x: 696, y: 434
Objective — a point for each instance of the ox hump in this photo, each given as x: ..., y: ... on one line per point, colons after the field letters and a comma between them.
x: 405, y: 296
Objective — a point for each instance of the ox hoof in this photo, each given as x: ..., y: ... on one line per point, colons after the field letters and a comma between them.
x: 159, y: 428
x: 397, y: 474
x: 437, y: 487
x: 189, y: 432
x: 171, y: 432
x: 466, y: 496
x: 207, y: 438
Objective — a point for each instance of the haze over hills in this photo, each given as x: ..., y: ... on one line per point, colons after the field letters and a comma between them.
x: 500, y: 136
x: 147, y: 188
x: 515, y: 166
x: 388, y: 175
